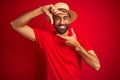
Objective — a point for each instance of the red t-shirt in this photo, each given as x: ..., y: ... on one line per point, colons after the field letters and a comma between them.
x: 62, y: 61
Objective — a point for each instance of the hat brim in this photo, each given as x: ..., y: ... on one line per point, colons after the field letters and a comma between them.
x: 73, y: 15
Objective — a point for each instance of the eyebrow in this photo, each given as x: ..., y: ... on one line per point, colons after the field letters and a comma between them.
x: 59, y: 16
x: 62, y: 14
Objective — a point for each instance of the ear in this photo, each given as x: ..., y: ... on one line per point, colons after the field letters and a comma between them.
x: 69, y: 18
x: 69, y: 21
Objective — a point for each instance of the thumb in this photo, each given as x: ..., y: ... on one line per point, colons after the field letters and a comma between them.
x: 51, y: 19
x: 49, y: 15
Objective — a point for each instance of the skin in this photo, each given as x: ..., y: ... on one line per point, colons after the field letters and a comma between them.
x: 89, y: 57
x: 20, y: 25
x: 61, y: 20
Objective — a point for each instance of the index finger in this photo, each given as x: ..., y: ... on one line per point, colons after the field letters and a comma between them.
x: 63, y: 37
x: 54, y: 10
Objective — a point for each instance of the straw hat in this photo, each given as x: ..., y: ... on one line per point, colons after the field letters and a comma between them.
x: 65, y: 8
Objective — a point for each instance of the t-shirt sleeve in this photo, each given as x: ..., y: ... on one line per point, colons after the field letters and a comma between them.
x: 36, y: 32
x: 38, y: 36
x: 85, y: 43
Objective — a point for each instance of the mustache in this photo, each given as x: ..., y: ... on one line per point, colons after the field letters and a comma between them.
x: 61, y: 24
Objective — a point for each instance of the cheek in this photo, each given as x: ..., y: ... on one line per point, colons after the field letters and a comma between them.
x: 56, y: 22
x: 67, y: 22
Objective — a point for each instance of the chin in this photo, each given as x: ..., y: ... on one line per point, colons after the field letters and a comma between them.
x: 61, y: 32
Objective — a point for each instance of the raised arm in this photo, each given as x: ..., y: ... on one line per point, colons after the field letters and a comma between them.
x: 89, y: 57
x: 20, y: 24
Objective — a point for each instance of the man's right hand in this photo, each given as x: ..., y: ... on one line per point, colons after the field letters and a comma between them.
x: 49, y: 10
x: 20, y: 23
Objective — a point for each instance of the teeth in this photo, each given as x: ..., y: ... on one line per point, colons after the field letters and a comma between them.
x: 62, y: 27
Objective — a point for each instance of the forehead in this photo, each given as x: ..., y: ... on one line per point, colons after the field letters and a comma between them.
x: 62, y: 14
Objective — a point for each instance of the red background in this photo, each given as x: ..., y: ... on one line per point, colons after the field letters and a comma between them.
x: 20, y: 59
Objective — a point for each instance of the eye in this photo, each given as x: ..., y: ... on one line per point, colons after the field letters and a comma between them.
x: 56, y: 17
x: 66, y: 17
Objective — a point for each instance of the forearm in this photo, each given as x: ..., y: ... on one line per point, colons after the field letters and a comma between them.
x: 90, y: 58
x: 25, y: 18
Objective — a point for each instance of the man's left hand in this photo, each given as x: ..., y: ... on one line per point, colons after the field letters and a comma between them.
x: 70, y: 40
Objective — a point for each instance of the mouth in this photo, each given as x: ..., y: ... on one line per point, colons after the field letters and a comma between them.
x: 62, y: 27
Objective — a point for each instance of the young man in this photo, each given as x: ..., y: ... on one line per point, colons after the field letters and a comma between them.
x: 63, y: 48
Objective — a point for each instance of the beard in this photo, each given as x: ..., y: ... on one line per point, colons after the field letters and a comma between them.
x: 61, y: 28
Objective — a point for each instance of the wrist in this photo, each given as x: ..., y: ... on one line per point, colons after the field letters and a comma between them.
x: 38, y: 11
x: 77, y: 46
x: 42, y: 9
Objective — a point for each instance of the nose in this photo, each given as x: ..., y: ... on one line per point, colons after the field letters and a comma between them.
x: 61, y: 21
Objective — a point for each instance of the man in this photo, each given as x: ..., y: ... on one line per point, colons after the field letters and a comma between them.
x: 63, y: 48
